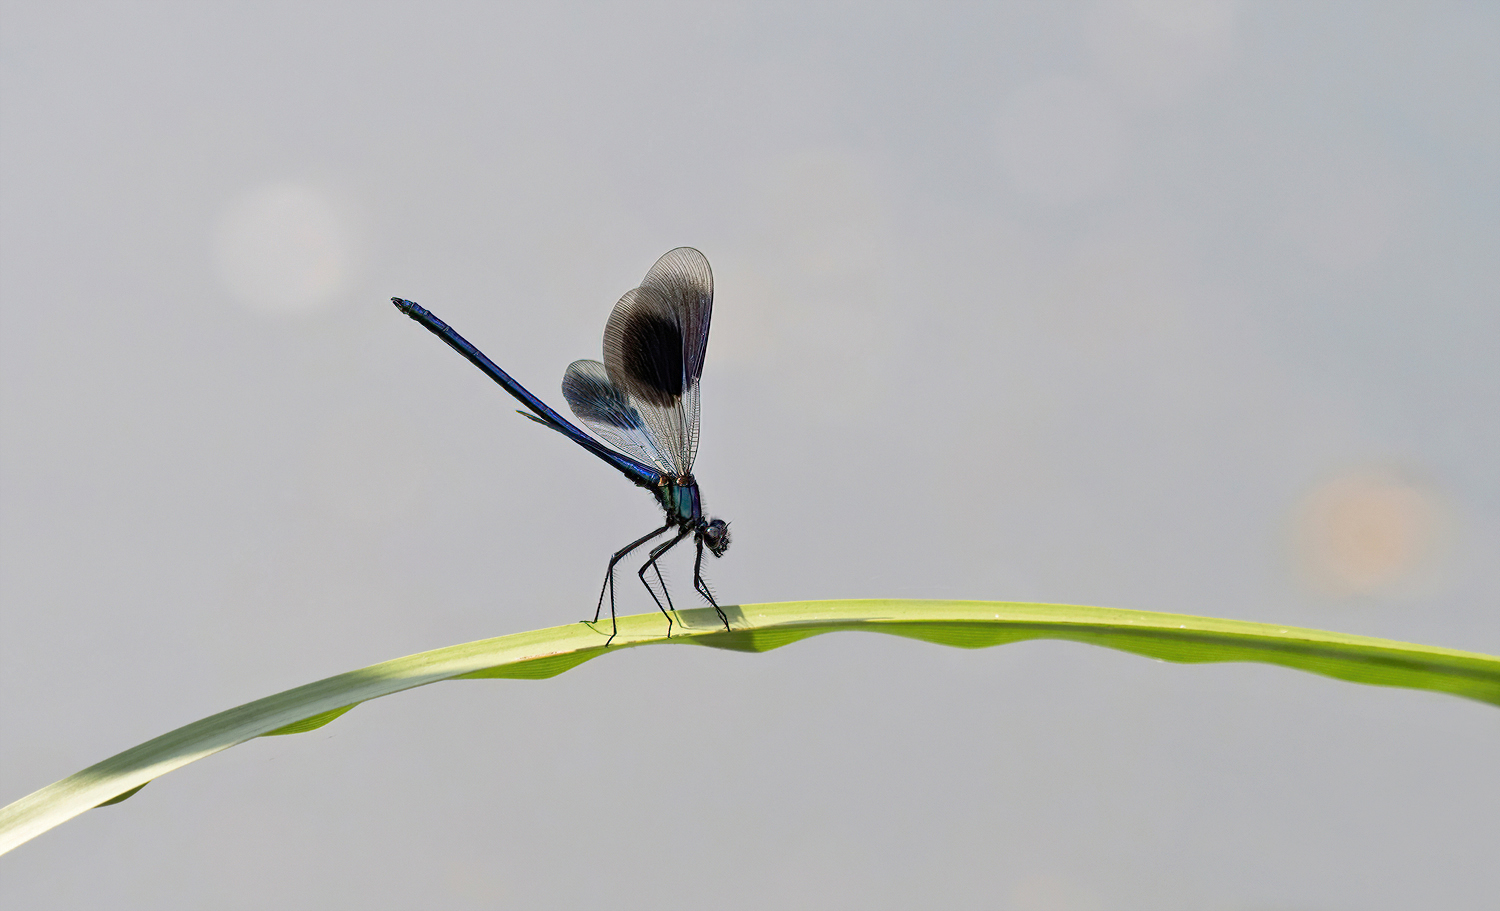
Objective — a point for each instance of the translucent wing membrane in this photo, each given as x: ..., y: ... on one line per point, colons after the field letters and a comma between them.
x: 683, y: 279
x: 605, y: 409
x: 654, y: 344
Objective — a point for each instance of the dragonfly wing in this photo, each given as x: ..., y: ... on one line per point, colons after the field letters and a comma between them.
x: 654, y: 345
x: 683, y: 277
x: 605, y: 409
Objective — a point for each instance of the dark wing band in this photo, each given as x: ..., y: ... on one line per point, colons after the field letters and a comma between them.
x: 654, y: 346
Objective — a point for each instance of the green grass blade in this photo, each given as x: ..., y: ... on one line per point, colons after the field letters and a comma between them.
x: 758, y: 628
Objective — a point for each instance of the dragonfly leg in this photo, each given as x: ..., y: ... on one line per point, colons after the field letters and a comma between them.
x: 609, y: 579
x: 703, y: 589
x: 650, y: 563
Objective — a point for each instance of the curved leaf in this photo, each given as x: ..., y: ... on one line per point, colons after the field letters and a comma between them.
x: 759, y: 628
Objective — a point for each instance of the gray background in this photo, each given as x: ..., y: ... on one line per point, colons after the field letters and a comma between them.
x: 1180, y: 307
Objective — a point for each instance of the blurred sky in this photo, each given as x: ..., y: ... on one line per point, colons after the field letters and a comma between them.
x: 1166, y: 305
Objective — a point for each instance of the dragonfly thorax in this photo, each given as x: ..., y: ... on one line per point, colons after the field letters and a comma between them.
x: 684, y: 505
x: 680, y: 498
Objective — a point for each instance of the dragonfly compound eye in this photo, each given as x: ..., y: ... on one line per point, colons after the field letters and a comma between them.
x: 716, y: 536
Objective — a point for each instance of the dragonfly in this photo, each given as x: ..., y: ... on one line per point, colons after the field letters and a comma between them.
x: 643, y: 400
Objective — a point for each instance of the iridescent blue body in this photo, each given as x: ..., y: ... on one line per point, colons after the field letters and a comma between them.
x: 681, y: 500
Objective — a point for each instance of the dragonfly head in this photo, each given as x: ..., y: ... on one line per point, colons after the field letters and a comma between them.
x: 716, y: 535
